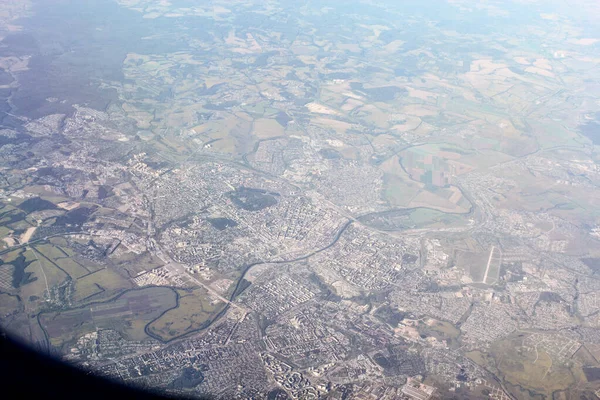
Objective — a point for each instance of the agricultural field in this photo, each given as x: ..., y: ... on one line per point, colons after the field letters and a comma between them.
x: 9, y: 305
x: 412, y: 218
x: 434, y: 165
x: 302, y: 200
x: 104, y: 282
x: 195, y: 309
x: 537, y: 372
x: 127, y: 313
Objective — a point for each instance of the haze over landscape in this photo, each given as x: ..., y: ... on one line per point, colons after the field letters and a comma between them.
x: 305, y: 199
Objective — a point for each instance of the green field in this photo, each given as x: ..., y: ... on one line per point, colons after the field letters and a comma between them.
x: 104, y: 281
x: 194, y: 312
x: 127, y: 313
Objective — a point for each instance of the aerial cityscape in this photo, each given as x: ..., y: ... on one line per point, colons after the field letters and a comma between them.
x: 328, y: 199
